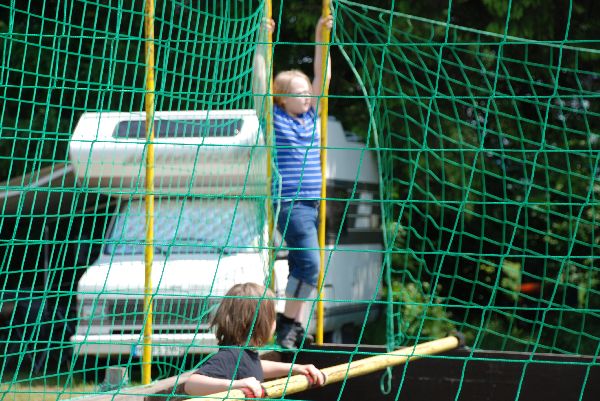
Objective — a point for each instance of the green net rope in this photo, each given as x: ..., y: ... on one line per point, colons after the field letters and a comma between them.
x: 487, y: 148
x: 484, y: 136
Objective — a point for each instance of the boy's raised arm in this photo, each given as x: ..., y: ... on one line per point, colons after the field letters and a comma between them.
x: 260, y: 74
x: 320, y: 82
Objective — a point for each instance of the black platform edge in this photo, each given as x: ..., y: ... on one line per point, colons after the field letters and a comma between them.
x: 462, y: 374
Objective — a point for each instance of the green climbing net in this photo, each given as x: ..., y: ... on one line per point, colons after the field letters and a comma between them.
x: 487, y: 146
x: 490, y: 180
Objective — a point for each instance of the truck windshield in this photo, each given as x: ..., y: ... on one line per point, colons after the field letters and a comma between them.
x: 198, y: 128
x: 189, y: 226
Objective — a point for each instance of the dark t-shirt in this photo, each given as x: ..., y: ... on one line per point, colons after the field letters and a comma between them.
x: 222, y: 365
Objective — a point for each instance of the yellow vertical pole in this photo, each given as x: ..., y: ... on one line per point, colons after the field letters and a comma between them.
x: 149, y: 249
x: 268, y: 109
x: 324, y: 112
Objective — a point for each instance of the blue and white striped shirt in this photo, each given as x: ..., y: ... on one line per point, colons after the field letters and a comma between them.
x: 297, y: 155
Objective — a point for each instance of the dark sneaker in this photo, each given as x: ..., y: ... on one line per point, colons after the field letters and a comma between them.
x: 300, y: 334
x: 286, y: 335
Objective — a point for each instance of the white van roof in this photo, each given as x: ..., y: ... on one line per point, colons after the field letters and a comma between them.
x: 207, y: 151
x: 217, y: 151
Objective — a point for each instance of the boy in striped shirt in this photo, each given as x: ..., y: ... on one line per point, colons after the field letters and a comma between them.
x: 297, y: 188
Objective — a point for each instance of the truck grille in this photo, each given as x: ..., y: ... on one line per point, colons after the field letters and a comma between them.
x: 170, y: 313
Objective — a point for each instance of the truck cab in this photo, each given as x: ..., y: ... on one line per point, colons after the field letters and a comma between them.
x: 210, y: 228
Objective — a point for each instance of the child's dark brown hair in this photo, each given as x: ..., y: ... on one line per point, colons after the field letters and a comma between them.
x: 235, y: 315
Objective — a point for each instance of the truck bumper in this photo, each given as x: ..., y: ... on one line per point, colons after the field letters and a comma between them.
x: 132, y: 344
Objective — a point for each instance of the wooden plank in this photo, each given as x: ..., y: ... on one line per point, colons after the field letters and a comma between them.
x: 333, y: 374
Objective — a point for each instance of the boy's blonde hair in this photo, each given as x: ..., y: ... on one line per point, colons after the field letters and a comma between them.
x: 282, y: 83
x: 235, y: 315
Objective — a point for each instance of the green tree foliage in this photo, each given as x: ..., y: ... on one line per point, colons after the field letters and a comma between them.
x: 493, y: 157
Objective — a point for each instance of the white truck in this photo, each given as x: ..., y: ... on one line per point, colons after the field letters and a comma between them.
x: 210, y: 227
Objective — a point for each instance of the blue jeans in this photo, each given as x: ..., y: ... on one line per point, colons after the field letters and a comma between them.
x: 297, y: 222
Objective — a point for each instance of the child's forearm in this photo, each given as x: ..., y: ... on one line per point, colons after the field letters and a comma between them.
x: 321, y: 52
x: 318, y: 64
x: 259, y: 79
x: 204, y: 385
x: 272, y: 369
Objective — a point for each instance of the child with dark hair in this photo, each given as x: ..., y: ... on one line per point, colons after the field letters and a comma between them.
x: 244, y: 320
